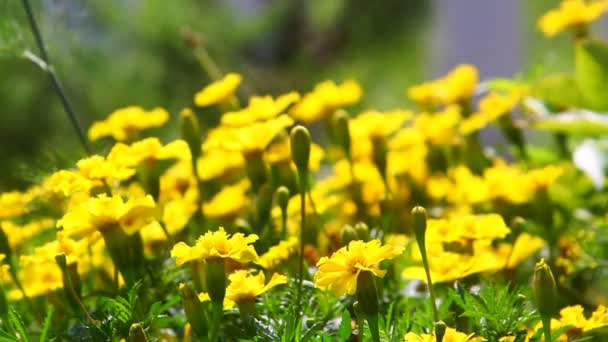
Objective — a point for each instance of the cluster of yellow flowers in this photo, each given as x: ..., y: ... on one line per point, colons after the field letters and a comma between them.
x: 144, y: 198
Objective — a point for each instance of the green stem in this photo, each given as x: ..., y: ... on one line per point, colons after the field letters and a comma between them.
x: 302, y: 179
x: 372, y: 321
x: 547, y: 328
x: 67, y: 105
x: 427, y: 270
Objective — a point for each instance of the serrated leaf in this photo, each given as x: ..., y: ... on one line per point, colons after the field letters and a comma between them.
x: 17, y: 324
x: 345, y: 328
x: 591, y: 61
x: 47, y: 323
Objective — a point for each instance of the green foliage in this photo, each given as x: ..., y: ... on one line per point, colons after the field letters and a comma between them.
x: 591, y: 62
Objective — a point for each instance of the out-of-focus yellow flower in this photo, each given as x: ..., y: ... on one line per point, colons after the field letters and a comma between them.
x: 260, y: 108
x: 466, y: 228
x: 249, y: 139
x: 215, y: 163
x: 326, y: 97
x: 458, y: 85
x: 218, y: 244
x: 19, y: 234
x: 218, y: 91
x: 451, y: 335
x: 147, y: 151
x: 123, y: 123
x: 508, y: 182
x: 99, y: 168
x: 524, y: 246
x: 491, y: 107
x: 279, y: 253
x: 575, y: 318
x: 375, y: 125
x: 439, y: 128
x: 102, y: 211
x: 571, y: 14
x: 14, y: 203
x: 339, y: 272
x: 541, y: 179
x: 66, y: 183
x: 229, y: 202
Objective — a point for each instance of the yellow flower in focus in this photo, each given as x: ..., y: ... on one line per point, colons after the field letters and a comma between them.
x: 218, y: 91
x: 123, y: 123
x: 147, y: 151
x: 260, y: 108
x: 67, y: 182
x: 326, y: 97
x: 102, y: 211
x: 339, y: 272
x: 244, y: 287
x: 218, y: 244
x: 571, y: 14
x: 457, y: 86
x: 451, y: 335
x: 228, y: 202
x: 279, y: 253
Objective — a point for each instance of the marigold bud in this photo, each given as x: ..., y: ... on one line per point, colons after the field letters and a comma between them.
x: 342, y: 131
x: 193, y: 308
x: 300, y: 148
x: 191, y: 131
x: 543, y: 285
x: 216, y: 280
x: 281, y: 196
x: 137, y: 333
x: 440, y: 328
x: 419, y: 223
x: 348, y: 234
x: 362, y: 231
x: 379, y: 155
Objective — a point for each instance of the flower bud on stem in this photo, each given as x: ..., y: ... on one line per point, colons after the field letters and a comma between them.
x: 545, y: 293
x: 419, y: 222
x: 194, y: 309
x: 367, y: 297
x: 282, y: 199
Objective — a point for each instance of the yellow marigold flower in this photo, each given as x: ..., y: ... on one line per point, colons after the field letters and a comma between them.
x: 508, y: 182
x: 100, y: 212
x: 37, y: 278
x: 524, y: 246
x: 249, y: 139
x: 326, y: 97
x: 98, y: 168
x: 260, y: 108
x: 123, y: 123
x: 218, y: 91
x: 244, y: 287
x: 67, y: 182
x: 439, y: 128
x: 218, y: 244
x: 451, y: 335
x: 467, y: 228
x: 491, y: 107
x: 541, y: 179
x: 571, y: 14
x: 19, y: 234
x: 374, y: 124
x: 458, y: 85
x: 279, y: 253
x: 229, y: 202
x: 147, y: 151
x: 215, y: 163
x: 14, y: 203
x: 339, y: 272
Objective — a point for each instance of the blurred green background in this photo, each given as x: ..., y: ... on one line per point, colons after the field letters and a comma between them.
x: 114, y: 53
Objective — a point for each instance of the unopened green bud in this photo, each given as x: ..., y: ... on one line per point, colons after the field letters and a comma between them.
x: 419, y: 223
x: 282, y: 197
x: 137, y: 333
x: 367, y: 296
x: 191, y: 132
x: 195, y: 313
x: 348, y: 234
x: 362, y: 231
x: 379, y: 154
x: 543, y: 285
x: 300, y: 148
x: 342, y: 131
x: 126, y: 251
x: 440, y: 328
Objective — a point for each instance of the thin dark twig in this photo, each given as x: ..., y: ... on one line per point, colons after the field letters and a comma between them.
x: 67, y: 105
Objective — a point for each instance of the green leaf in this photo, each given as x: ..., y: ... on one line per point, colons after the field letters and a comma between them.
x: 559, y: 91
x: 345, y: 330
x: 591, y: 61
x: 575, y: 122
x: 17, y: 324
x: 47, y: 323
x: 7, y: 337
